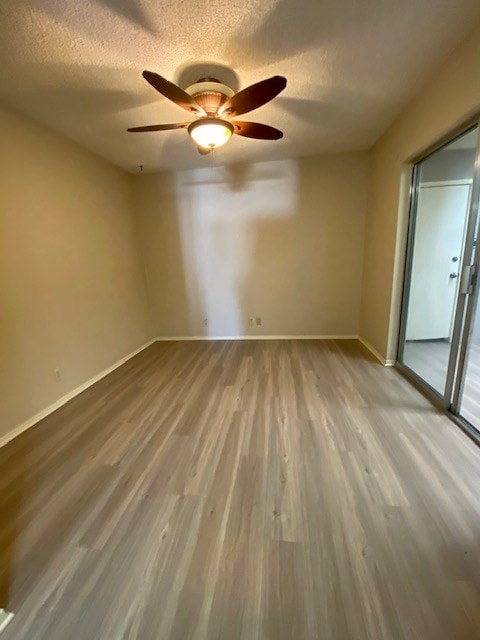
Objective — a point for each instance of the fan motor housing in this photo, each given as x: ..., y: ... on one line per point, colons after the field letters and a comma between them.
x: 210, y: 94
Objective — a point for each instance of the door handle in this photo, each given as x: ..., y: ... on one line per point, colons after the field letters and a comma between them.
x: 454, y: 275
x: 468, y: 280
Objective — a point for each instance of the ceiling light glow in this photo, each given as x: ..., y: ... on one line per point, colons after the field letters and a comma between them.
x: 210, y: 133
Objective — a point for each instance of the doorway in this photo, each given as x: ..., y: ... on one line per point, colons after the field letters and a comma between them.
x: 439, y: 345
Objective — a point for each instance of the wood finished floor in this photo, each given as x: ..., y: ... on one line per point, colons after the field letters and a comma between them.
x: 243, y: 490
x: 429, y: 359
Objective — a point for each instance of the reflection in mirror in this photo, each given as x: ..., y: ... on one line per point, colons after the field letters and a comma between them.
x: 444, y: 181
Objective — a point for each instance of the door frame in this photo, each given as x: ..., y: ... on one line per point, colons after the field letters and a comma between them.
x: 450, y: 400
x: 470, y: 297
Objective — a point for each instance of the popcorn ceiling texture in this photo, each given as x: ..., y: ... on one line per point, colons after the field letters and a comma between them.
x: 351, y: 67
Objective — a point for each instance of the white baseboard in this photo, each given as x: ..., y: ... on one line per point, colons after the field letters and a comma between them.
x: 257, y: 337
x: 378, y: 356
x: 68, y: 396
x: 5, y: 617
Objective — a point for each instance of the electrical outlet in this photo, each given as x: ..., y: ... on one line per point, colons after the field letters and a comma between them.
x: 251, y: 322
x: 258, y: 321
x: 57, y: 373
x: 205, y: 322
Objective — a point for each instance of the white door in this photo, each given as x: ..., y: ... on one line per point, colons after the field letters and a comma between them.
x: 437, y: 256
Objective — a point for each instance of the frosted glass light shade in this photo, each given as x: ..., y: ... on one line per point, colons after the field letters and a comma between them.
x: 210, y: 133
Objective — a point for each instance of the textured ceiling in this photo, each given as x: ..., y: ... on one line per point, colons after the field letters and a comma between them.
x: 351, y: 66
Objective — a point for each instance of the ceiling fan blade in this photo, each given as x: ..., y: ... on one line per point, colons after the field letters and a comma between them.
x: 202, y: 151
x: 172, y: 92
x: 159, y: 127
x: 256, y: 130
x: 253, y: 96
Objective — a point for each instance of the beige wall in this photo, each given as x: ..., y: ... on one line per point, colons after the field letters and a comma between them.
x: 280, y: 240
x: 451, y: 95
x: 72, y: 292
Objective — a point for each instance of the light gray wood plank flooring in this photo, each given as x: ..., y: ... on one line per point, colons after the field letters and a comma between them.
x: 263, y: 490
x: 429, y: 360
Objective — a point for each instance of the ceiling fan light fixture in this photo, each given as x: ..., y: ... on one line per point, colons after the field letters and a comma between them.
x: 210, y: 133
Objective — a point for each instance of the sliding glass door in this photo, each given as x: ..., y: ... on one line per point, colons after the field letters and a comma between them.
x: 469, y: 405
x: 439, y: 277
x: 466, y: 395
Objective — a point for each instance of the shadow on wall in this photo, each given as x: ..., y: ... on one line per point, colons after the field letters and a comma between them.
x: 279, y: 240
x: 220, y: 212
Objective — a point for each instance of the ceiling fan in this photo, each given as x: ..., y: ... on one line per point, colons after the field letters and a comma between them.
x: 213, y: 103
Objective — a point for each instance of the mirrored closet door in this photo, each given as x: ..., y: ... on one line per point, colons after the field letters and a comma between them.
x: 439, y: 342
